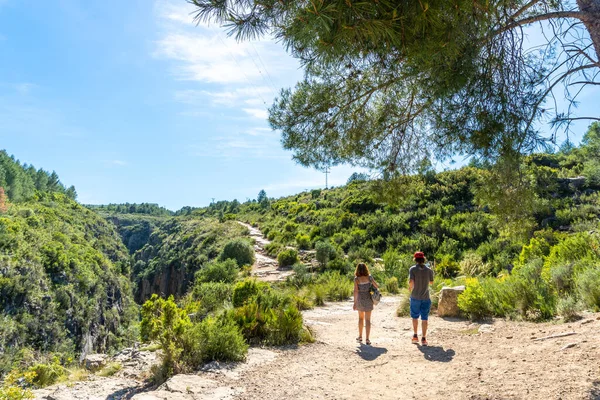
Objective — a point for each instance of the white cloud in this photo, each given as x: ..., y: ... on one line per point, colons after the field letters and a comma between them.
x: 24, y: 88
x: 260, y: 131
x: 181, y: 12
x: 208, y: 58
x: 259, y: 113
x: 234, y: 97
x: 118, y: 163
x: 227, y: 82
x: 205, y: 54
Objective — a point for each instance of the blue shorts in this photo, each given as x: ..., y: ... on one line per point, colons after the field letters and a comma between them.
x: 420, y: 308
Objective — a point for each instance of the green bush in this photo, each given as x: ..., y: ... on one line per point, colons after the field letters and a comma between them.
x: 562, y: 277
x: 187, y: 345
x: 302, y: 301
x: 319, y: 293
x: 391, y: 285
x: 525, y: 292
x: 403, y: 309
x: 273, y: 248
x: 287, y: 257
x: 588, y: 287
x: 397, y: 265
x: 213, y: 339
x: 473, y: 301
x: 246, y: 289
x: 212, y: 295
x: 47, y: 374
x: 11, y: 387
x: 239, y: 250
x: 269, y: 317
x: 252, y: 320
x: 340, y: 264
x: 303, y: 241
x: 568, y: 308
x: 534, y: 296
x: 446, y: 267
x: 337, y: 287
x: 224, y: 272
x: 286, y: 327
x: 472, y: 265
x: 325, y: 252
x: 290, y: 227
x: 301, y: 277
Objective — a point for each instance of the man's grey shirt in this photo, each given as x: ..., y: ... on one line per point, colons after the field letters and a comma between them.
x: 422, y: 275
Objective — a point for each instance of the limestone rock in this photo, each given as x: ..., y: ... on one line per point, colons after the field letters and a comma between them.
x: 448, y: 304
x: 190, y: 387
x: 191, y: 384
x: 162, y: 395
x: 95, y: 362
x: 95, y: 389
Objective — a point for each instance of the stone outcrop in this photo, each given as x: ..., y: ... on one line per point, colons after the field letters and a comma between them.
x: 122, y: 385
x: 95, y: 362
x: 189, y: 387
x: 448, y: 304
x: 96, y: 388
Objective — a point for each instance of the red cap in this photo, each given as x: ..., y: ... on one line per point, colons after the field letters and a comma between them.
x: 419, y: 254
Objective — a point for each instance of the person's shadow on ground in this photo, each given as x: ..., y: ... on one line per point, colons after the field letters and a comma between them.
x: 370, y: 353
x: 595, y: 391
x: 437, y: 353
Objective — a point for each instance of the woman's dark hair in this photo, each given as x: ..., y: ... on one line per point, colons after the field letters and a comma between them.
x: 361, y: 270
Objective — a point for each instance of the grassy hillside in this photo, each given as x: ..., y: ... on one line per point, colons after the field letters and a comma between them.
x: 538, y: 218
x: 64, y: 273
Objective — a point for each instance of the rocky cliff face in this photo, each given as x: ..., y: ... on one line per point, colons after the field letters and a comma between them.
x: 175, y: 250
x: 172, y: 280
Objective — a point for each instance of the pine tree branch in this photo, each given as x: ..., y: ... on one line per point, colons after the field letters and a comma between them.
x: 525, y: 8
x: 541, y: 17
x: 577, y: 118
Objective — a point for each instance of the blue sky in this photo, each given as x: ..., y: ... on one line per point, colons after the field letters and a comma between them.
x: 131, y: 102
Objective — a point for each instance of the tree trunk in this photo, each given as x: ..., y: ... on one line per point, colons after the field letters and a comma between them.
x: 591, y: 8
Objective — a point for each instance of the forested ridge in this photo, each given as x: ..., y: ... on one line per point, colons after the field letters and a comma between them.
x: 64, y: 272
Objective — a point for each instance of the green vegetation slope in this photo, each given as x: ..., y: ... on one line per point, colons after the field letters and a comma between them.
x: 64, y: 272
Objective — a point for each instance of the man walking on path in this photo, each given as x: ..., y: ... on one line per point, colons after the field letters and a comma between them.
x: 420, y: 277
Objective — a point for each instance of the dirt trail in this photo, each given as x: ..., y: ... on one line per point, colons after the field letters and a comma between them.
x: 463, y: 361
x: 265, y: 268
x: 502, y: 362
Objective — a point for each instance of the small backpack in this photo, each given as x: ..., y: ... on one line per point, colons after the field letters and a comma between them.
x: 375, y: 293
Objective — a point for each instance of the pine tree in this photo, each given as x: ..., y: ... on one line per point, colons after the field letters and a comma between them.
x: 388, y: 83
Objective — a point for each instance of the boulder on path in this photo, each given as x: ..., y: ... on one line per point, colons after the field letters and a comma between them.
x: 448, y: 304
x: 95, y: 362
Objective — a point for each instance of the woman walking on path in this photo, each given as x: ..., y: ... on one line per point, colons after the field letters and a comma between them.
x: 362, y: 299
